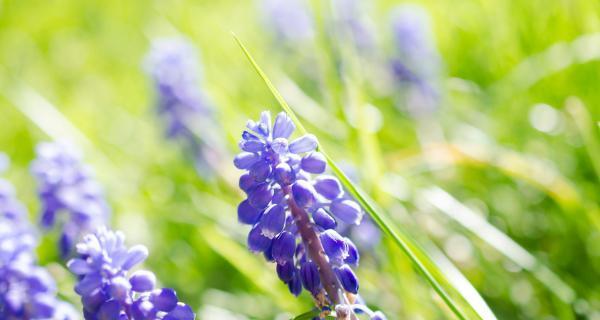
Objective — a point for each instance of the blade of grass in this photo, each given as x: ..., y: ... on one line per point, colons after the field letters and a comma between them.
x: 402, y: 240
x: 498, y: 240
x: 587, y: 130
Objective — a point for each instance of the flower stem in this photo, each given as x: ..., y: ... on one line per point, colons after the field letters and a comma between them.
x: 314, y: 248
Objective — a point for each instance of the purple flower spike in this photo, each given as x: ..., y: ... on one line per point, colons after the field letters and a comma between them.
x: 106, y: 290
x: 182, y: 103
x: 65, y: 184
x: 415, y: 45
x: 289, y: 20
x: 27, y: 291
x: 286, y: 203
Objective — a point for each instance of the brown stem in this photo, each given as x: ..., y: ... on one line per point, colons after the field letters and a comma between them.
x: 314, y: 248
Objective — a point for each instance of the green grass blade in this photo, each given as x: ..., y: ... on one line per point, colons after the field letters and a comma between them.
x: 498, y: 240
x: 589, y: 133
x: 402, y: 240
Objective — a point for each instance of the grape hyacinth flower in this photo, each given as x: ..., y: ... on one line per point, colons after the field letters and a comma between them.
x: 293, y: 214
x: 66, y: 184
x: 181, y: 103
x: 353, y: 24
x: 27, y: 291
x: 107, y: 289
x: 289, y: 20
x: 417, y: 63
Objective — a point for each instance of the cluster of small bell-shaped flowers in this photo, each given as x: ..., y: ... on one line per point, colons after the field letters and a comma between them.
x: 290, y: 20
x: 107, y: 289
x: 172, y: 64
x: 67, y: 185
x: 353, y: 25
x: 416, y: 64
x: 176, y: 74
x: 279, y: 176
x: 27, y: 291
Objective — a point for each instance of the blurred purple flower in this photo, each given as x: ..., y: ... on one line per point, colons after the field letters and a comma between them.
x: 416, y: 64
x: 187, y: 112
x: 289, y: 20
x: 66, y: 184
x: 353, y: 24
x: 107, y: 289
x: 27, y: 291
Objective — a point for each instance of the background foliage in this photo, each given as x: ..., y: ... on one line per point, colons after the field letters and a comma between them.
x: 515, y: 142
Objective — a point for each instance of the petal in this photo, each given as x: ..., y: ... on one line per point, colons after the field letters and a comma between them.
x: 78, y: 266
x: 245, y: 160
x: 346, y: 210
x: 135, y: 255
x: 260, y: 171
x: 334, y: 246
x: 280, y: 146
x: 323, y: 219
x: 284, y: 126
x: 260, y: 196
x: 303, y: 144
x: 328, y: 186
x: 347, y: 278
x: 285, y: 272
x: 284, y: 175
x: 247, y: 213
x: 284, y: 246
x: 252, y: 145
x: 142, y: 281
x: 164, y: 299
x: 309, y: 273
x: 304, y: 193
x: 88, y: 284
x: 295, y: 285
x: 119, y: 288
x: 257, y: 242
x: 314, y: 162
x: 110, y: 310
x: 272, y: 221
x: 180, y: 312
x: 247, y: 182
x: 353, y: 255
x: 264, y: 126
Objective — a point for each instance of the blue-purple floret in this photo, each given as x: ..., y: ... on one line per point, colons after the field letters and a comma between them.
x: 417, y: 63
x: 108, y: 288
x: 27, y: 291
x: 279, y: 169
x: 67, y: 186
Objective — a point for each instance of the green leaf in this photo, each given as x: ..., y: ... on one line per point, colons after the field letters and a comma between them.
x: 402, y: 240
